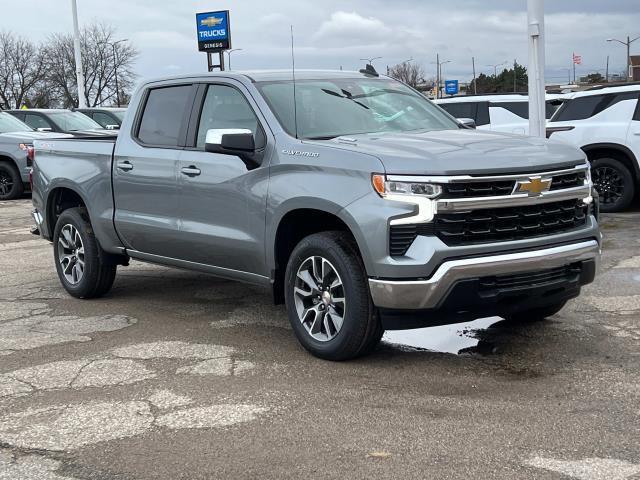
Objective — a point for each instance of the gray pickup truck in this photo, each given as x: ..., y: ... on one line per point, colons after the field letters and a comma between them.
x: 358, y: 202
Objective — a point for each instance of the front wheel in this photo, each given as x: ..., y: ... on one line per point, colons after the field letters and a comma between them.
x: 328, y: 300
x: 83, y: 267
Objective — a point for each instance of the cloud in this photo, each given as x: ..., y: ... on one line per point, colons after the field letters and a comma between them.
x: 352, y: 29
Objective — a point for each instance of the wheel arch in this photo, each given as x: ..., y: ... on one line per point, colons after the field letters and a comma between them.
x: 298, y: 222
x: 59, y: 199
x: 619, y: 152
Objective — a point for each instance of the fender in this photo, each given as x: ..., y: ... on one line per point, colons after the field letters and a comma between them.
x: 620, y: 148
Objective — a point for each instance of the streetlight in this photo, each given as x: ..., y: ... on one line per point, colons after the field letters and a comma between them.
x: 229, y: 55
x: 115, y: 64
x: 628, y: 45
x: 495, y: 67
x: 439, y: 72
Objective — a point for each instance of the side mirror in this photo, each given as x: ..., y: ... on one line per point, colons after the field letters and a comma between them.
x: 44, y: 129
x: 238, y: 142
x: 469, y: 123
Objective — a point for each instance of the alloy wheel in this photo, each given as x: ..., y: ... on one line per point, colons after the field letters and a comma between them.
x: 319, y: 298
x: 609, y: 184
x: 71, y: 254
x: 6, y: 183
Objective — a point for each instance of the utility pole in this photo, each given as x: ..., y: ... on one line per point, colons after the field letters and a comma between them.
x: 473, y: 66
x: 573, y: 61
x: 439, y: 72
x: 607, y: 71
x: 82, y: 103
x: 535, y: 27
x: 628, y: 45
x: 515, y: 76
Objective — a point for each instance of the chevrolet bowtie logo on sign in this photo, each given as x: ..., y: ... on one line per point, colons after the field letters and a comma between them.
x: 211, y: 21
x: 534, y: 186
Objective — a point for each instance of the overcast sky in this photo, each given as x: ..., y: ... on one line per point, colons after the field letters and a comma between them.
x: 334, y: 33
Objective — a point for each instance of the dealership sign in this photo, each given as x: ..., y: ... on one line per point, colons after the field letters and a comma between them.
x: 451, y: 87
x: 214, y: 34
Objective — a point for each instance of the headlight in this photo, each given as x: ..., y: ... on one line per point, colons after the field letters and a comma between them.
x: 385, y: 187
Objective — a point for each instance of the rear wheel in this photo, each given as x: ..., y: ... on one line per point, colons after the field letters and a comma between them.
x: 84, y: 269
x: 328, y: 300
x: 614, y: 183
x: 10, y: 182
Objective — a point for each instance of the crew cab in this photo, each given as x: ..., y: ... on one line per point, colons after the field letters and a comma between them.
x: 605, y: 123
x: 354, y: 199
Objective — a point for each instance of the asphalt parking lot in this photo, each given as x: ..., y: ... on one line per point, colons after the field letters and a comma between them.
x: 179, y: 375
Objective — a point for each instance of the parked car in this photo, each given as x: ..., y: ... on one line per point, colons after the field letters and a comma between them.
x: 361, y: 205
x: 605, y: 123
x: 59, y: 121
x: 108, y: 118
x: 16, y: 155
x: 498, y: 113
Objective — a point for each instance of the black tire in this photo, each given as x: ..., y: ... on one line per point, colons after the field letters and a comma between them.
x: 10, y: 181
x: 537, y: 314
x: 99, y: 271
x: 614, y: 183
x: 361, y: 328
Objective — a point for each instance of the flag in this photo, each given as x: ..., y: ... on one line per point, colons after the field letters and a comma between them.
x: 577, y: 59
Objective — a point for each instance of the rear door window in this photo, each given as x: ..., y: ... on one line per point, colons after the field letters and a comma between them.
x: 461, y: 109
x: 521, y: 109
x: 163, y: 118
x: 36, y: 121
x: 581, y: 108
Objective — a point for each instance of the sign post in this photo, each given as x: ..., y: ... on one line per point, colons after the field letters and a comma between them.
x: 451, y: 87
x: 214, y: 36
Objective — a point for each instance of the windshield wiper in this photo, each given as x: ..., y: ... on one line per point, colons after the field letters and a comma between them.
x: 326, y: 137
x: 348, y: 96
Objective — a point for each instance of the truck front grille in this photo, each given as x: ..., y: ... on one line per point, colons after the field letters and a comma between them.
x: 512, y: 223
x: 493, y: 225
x: 477, y: 189
x: 569, y: 180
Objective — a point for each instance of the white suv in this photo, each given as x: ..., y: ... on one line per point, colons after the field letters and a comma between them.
x: 498, y: 113
x: 605, y: 123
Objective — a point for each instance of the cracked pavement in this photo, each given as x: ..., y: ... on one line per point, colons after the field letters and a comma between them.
x: 176, y: 374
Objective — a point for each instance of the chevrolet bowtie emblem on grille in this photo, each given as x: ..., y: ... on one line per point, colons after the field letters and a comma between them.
x: 534, y: 186
x: 211, y: 21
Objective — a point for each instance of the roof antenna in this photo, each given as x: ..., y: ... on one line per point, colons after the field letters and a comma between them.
x: 293, y: 73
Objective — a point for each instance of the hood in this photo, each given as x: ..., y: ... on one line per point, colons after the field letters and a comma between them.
x: 461, y: 152
x: 25, y: 137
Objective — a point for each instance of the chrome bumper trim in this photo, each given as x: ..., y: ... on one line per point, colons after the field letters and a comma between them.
x: 423, y: 294
x: 515, y: 200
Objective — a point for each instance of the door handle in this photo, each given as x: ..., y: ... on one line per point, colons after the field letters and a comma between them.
x: 190, y: 171
x: 124, y: 166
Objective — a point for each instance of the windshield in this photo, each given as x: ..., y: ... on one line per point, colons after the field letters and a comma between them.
x: 334, y: 107
x: 9, y: 123
x: 72, y: 121
x: 119, y: 114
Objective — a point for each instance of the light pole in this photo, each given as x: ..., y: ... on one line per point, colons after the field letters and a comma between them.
x: 628, y: 45
x: 439, y: 64
x: 495, y: 67
x: 229, y: 52
x: 82, y: 103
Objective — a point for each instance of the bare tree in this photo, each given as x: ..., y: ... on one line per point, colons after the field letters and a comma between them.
x: 21, y: 69
x: 410, y: 73
x: 102, y: 56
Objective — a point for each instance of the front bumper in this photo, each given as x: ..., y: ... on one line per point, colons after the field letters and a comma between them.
x: 431, y: 293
